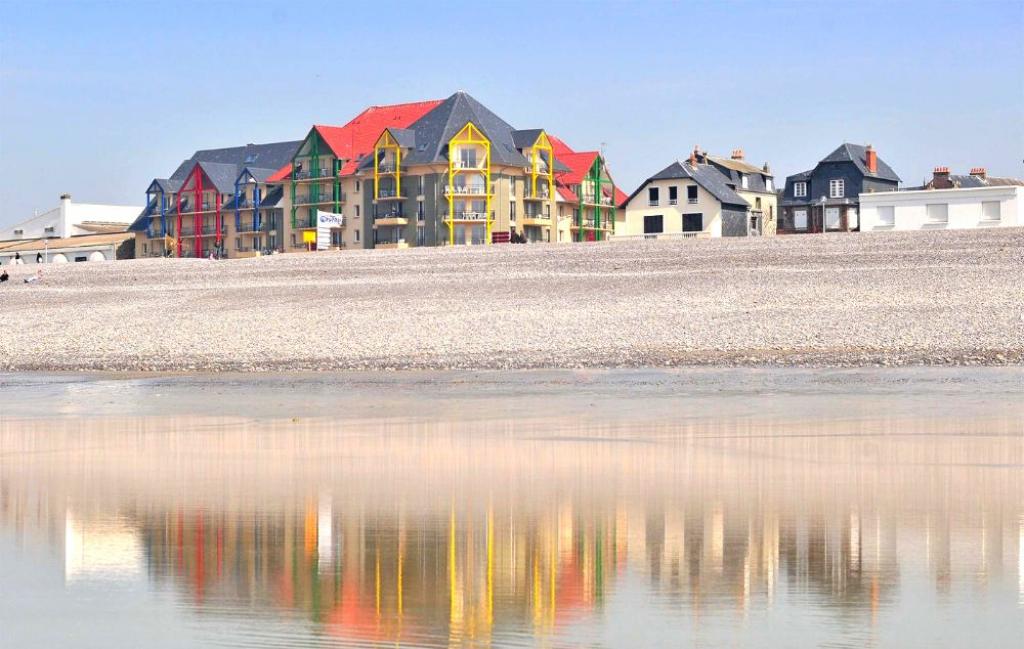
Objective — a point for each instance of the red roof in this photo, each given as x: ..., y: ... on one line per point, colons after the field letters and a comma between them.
x: 568, y: 194
x: 579, y: 164
x: 558, y: 147
x: 356, y: 139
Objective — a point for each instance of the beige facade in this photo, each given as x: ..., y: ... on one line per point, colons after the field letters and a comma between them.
x: 640, y: 207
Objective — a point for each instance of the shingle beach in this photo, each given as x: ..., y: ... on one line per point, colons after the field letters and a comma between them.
x: 954, y: 298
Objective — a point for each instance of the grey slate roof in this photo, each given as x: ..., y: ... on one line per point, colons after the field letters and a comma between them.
x: 273, y: 197
x: 988, y: 181
x: 803, y: 175
x: 406, y: 137
x: 264, y: 156
x: 258, y: 173
x: 165, y: 185
x: 142, y: 220
x: 526, y: 138
x: 221, y: 174
x: 705, y: 175
x: 856, y: 153
x: 442, y: 123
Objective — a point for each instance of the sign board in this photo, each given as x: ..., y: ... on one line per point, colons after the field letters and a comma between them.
x: 308, y: 236
x: 325, y: 221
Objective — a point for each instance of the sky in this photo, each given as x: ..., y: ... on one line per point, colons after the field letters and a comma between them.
x: 97, y: 99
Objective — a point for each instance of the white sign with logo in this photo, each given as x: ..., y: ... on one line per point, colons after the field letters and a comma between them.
x: 325, y: 221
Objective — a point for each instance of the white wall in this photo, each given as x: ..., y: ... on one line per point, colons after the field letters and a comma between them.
x: 963, y: 208
x: 65, y: 218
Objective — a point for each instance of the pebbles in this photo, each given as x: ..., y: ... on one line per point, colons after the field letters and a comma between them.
x: 936, y: 298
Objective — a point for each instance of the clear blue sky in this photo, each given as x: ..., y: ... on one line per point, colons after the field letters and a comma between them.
x: 98, y: 99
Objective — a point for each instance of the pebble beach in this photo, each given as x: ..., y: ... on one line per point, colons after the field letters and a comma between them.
x: 837, y: 300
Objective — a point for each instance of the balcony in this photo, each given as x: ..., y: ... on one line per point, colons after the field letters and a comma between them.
x: 390, y: 218
x: 466, y: 190
x: 468, y: 165
x: 540, y: 195
x: 467, y: 216
x: 651, y: 236
x: 391, y: 245
x: 387, y: 168
x: 389, y: 194
x: 309, y: 175
x: 321, y: 200
x: 536, y: 219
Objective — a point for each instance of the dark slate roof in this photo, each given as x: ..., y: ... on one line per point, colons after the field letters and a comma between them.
x: 260, y: 174
x: 273, y: 197
x: 264, y: 156
x: 406, y: 137
x: 856, y: 153
x: 526, y: 138
x: 705, y: 175
x: 141, y: 221
x: 803, y: 175
x: 165, y: 185
x: 441, y: 124
x: 988, y: 181
x: 221, y: 174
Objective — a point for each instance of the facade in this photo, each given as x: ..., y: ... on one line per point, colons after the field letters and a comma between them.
x: 212, y: 203
x: 826, y: 198
x: 701, y: 197
x: 78, y: 248
x: 947, y: 202
x: 461, y: 175
x: 69, y: 219
x: 441, y: 172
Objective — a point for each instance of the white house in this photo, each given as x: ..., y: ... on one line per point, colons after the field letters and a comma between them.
x: 69, y: 219
x: 947, y: 202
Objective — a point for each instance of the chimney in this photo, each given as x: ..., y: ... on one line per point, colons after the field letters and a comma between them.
x: 693, y: 155
x: 940, y: 178
x: 737, y: 154
x: 65, y: 197
x: 871, y: 159
x: 979, y: 172
x: 766, y: 169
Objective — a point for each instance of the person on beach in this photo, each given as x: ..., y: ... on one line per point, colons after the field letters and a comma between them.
x: 4, y: 276
x: 39, y: 257
x: 31, y: 279
x: 17, y: 259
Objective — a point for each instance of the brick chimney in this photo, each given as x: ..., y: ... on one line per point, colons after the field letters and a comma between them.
x: 871, y: 159
x: 694, y: 154
x: 737, y: 154
x: 979, y: 172
x: 940, y: 178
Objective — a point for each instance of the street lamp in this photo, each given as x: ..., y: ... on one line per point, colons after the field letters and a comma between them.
x: 822, y: 201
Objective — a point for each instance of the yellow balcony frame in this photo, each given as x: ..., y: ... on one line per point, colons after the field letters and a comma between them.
x: 542, y: 144
x: 387, y: 142
x: 469, y: 135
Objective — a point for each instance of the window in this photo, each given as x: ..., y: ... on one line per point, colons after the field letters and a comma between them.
x: 357, y: 236
x: 673, y: 195
x: 421, y: 186
x: 145, y: 248
x: 419, y: 210
x: 256, y: 243
x: 654, y: 224
x: 937, y: 213
x: 357, y: 209
x: 744, y: 181
x: 693, y: 222
x: 691, y: 194
x: 887, y: 215
x: 421, y: 236
x: 768, y: 185
x: 468, y: 158
x: 357, y: 186
x: 512, y: 211
x: 800, y: 191
x: 272, y: 242
x: 990, y: 211
x: 836, y: 188
x: 512, y: 186
x: 238, y: 243
x: 757, y: 203
x: 799, y: 219
x: 652, y: 196
x: 293, y: 239
x: 460, y: 235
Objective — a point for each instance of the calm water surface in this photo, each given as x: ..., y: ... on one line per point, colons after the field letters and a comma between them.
x: 612, y: 509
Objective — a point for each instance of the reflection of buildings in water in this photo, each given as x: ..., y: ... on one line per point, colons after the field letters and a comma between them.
x: 101, y: 549
x: 472, y: 530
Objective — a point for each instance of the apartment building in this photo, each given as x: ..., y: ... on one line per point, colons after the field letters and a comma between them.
x: 213, y: 203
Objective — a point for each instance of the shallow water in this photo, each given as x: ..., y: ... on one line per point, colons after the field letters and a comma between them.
x: 711, y: 508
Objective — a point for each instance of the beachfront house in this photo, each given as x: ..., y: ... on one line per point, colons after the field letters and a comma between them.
x: 703, y: 196
x: 948, y: 202
x: 826, y: 198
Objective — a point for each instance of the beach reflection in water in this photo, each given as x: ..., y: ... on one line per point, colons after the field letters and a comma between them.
x: 511, y: 531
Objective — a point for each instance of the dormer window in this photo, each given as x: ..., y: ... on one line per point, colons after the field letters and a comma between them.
x: 836, y: 188
x: 800, y: 190
x: 744, y: 181
x: 768, y: 185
